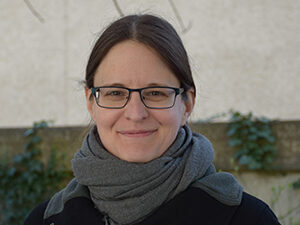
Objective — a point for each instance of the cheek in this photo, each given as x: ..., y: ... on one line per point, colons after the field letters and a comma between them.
x: 170, y: 120
x: 105, y: 120
x: 178, y: 113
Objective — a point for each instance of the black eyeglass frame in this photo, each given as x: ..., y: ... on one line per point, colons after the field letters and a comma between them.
x: 178, y: 91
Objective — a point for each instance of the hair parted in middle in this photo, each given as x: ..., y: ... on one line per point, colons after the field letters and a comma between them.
x: 150, y: 30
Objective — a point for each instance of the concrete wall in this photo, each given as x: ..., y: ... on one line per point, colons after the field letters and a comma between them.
x: 244, y: 55
x: 68, y: 140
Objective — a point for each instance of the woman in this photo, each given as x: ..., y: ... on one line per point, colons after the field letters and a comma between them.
x: 141, y: 164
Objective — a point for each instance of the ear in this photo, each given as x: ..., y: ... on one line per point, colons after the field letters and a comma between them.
x: 89, y: 102
x: 189, y: 103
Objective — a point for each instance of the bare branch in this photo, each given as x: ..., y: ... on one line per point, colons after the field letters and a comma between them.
x: 118, y: 8
x: 184, y: 29
x: 34, y: 12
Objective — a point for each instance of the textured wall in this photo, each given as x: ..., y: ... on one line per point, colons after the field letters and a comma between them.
x: 68, y: 140
x: 244, y: 54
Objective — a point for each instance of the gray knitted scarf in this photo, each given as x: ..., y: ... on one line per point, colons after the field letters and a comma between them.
x: 126, y: 193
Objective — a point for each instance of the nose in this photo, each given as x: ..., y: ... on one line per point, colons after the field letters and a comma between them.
x: 135, y: 109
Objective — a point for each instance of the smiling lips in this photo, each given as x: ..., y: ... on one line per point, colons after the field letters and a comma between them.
x: 137, y: 133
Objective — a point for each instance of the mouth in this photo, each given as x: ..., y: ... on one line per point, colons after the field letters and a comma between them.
x: 137, y: 133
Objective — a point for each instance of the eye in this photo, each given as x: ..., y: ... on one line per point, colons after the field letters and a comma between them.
x: 115, y: 93
x: 154, y: 93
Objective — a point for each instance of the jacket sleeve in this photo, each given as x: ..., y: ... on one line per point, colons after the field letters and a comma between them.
x: 267, y: 217
x: 36, y: 215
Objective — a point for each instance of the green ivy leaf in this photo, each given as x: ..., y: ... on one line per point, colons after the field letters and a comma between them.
x: 36, y: 140
x: 244, y: 160
x: 253, y: 140
x: 235, y: 142
x: 29, y: 132
x: 25, y: 182
x: 18, y: 158
x: 231, y: 131
x: 12, y: 171
x: 254, y: 165
x: 252, y: 137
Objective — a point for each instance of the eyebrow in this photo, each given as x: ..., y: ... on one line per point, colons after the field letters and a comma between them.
x: 114, y: 84
x: 158, y: 84
x: 148, y: 85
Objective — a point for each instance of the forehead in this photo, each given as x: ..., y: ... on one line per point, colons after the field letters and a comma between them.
x: 135, y: 64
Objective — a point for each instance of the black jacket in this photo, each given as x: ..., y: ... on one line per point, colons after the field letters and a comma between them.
x: 190, y: 207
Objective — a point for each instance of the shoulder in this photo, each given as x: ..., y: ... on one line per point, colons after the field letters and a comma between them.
x: 190, y: 206
x: 79, y: 210
x: 36, y: 215
x: 196, y: 205
x: 254, y: 211
x: 251, y: 211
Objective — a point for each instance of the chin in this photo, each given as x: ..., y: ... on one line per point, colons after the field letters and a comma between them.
x: 138, y: 157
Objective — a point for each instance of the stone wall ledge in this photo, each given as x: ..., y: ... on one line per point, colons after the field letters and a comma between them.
x: 287, y: 134
x: 68, y: 140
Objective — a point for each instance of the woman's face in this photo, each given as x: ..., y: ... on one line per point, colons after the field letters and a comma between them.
x: 136, y: 133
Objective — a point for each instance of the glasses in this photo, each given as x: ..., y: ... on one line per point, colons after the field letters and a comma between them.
x: 153, y: 97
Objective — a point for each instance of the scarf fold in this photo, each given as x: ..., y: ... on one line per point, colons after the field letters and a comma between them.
x: 126, y: 193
